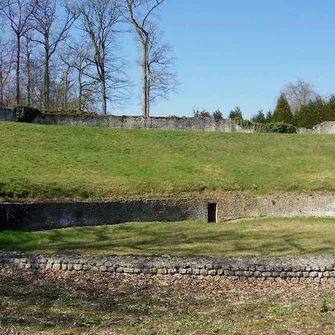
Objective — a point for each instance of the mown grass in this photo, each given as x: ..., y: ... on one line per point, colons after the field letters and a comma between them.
x: 258, y: 237
x: 55, y: 162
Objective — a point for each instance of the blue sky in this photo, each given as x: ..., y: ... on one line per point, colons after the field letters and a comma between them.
x: 243, y: 52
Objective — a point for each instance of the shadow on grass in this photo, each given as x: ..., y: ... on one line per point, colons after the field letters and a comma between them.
x: 176, y: 239
x: 29, y: 299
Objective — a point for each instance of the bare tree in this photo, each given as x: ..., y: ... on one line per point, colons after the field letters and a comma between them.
x: 79, y: 57
x: 45, y: 18
x: 6, y: 67
x: 139, y: 13
x: 28, y: 46
x: 101, y: 23
x: 19, y: 13
x: 299, y: 93
x: 162, y: 80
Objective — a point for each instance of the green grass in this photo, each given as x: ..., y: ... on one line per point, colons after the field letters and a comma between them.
x: 258, y: 237
x: 77, y: 163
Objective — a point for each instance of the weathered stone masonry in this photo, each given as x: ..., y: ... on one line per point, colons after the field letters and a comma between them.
x: 164, y: 123
x: 36, y: 216
x: 293, y: 269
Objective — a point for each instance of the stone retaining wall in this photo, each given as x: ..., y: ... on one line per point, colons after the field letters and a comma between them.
x: 36, y: 216
x: 294, y: 269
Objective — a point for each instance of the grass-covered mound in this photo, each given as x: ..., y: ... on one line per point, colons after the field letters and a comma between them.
x: 259, y: 237
x: 55, y: 162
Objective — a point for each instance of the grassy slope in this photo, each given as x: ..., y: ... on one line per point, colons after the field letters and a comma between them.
x: 259, y: 237
x: 54, y: 162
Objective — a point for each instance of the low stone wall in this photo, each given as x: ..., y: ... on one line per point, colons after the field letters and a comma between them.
x: 294, y: 269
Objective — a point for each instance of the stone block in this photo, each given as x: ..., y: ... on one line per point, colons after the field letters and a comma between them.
x: 212, y: 272
x: 56, y: 267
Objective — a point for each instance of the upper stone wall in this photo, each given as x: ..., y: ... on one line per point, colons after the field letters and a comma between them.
x: 6, y: 115
x: 135, y: 122
x: 164, y: 123
x: 138, y: 122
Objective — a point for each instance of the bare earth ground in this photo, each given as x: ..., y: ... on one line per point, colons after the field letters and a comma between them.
x: 45, y: 302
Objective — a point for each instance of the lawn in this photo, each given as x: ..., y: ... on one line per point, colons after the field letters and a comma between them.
x: 257, y: 237
x: 82, y: 163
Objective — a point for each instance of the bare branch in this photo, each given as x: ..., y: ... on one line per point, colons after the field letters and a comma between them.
x: 158, y: 80
x: 101, y: 23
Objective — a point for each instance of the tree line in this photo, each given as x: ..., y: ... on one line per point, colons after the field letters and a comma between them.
x: 299, y: 105
x: 66, y: 55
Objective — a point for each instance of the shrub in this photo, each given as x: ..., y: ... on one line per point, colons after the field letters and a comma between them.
x: 70, y: 112
x: 242, y: 122
x: 278, y: 127
x: 25, y: 113
x: 202, y: 113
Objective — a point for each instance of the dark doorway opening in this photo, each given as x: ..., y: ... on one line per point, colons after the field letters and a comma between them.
x: 212, y: 212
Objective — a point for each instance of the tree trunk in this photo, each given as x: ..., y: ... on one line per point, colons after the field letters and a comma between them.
x: 1, y: 88
x: 28, y: 81
x: 18, y: 69
x: 103, y: 97
x: 144, y: 65
x: 80, y: 76
x: 46, y: 81
x: 66, y: 89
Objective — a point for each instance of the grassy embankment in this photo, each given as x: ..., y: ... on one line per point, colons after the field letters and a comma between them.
x: 77, y: 163
x: 259, y: 237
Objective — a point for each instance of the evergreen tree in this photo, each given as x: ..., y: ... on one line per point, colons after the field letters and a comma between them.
x: 306, y: 116
x: 321, y: 109
x: 235, y: 113
x: 331, y: 108
x: 268, y: 117
x: 259, y: 117
x: 282, y: 113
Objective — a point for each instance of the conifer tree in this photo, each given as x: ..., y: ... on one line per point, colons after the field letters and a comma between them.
x: 282, y: 112
x: 331, y: 107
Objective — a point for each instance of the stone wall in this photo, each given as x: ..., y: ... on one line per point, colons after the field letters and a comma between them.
x: 294, y: 269
x: 38, y: 216
x: 135, y: 122
x: 138, y: 122
x: 232, y: 208
x: 164, y: 123
x: 6, y: 115
x: 327, y: 127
